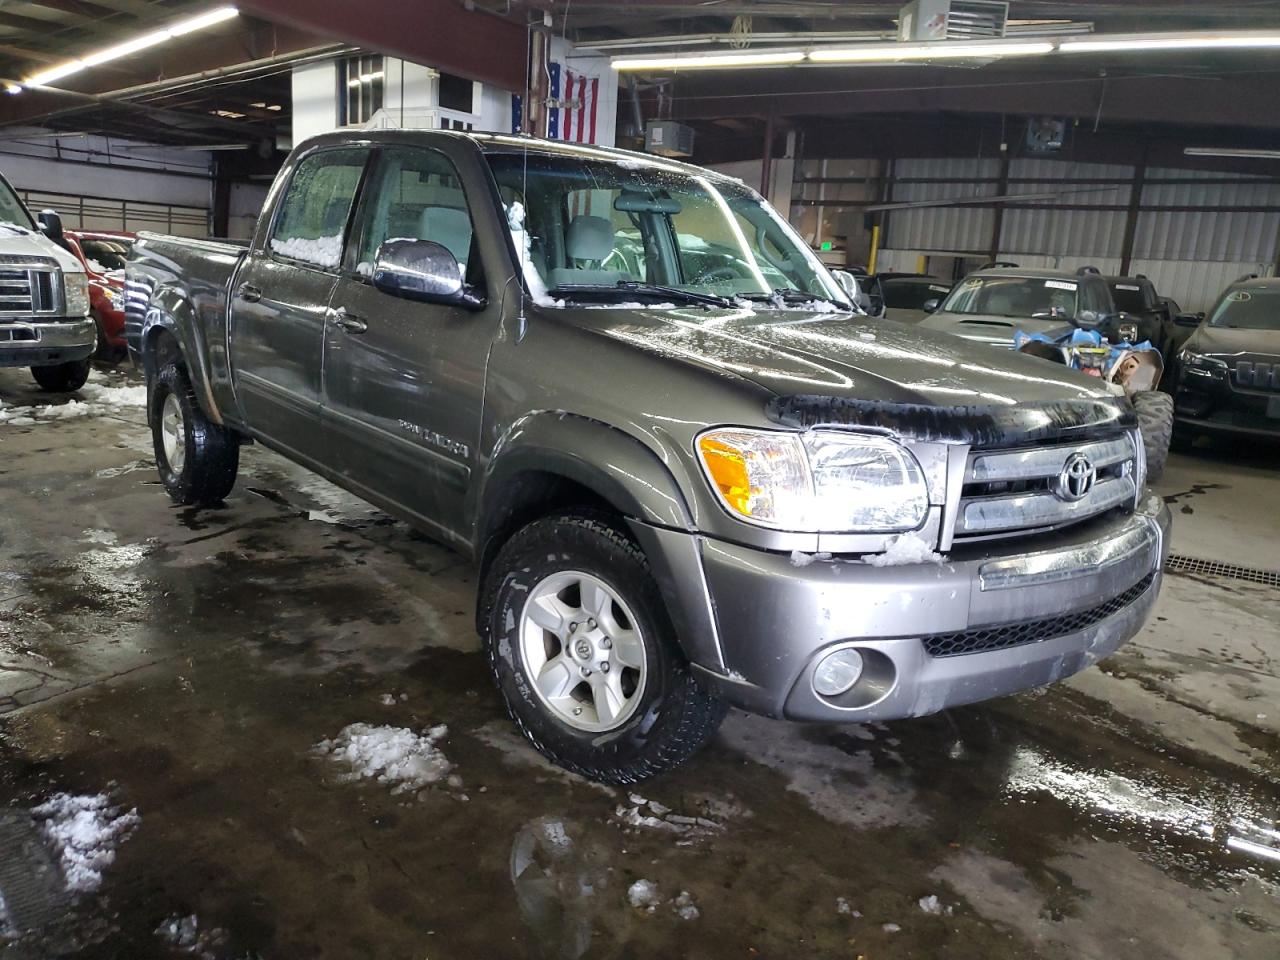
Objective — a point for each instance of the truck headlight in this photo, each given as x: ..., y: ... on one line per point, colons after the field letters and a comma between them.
x: 77, y: 289
x: 1198, y: 365
x: 823, y: 481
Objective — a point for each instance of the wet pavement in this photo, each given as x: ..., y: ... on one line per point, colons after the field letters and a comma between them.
x: 186, y: 663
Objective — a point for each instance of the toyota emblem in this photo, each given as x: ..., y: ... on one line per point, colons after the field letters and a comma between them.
x: 1077, y: 478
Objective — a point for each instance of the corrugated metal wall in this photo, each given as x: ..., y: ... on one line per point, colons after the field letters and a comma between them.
x: 1190, y: 255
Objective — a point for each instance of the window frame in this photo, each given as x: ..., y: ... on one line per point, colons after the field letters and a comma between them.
x: 377, y: 63
x: 356, y: 201
x: 362, y: 211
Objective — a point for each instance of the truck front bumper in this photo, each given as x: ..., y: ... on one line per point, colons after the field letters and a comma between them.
x: 931, y: 636
x: 25, y: 343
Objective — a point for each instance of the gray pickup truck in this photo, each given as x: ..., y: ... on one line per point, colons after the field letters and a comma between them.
x: 690, y: 474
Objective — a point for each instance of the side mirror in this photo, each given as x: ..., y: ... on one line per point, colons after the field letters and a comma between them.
x: 51, y: 225
x: 1090, y: 319
x: 424, y: 271
x: 931, y: 306
x: 1189, y: 319
x: 848, y: 283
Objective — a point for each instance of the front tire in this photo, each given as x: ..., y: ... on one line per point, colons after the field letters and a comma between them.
x: 1155, y: 420
x: 62, y: 377
x: 582, y: 648
x: 196, y: 458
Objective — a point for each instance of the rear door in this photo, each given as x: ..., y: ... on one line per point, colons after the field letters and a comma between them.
x: 281, y: 300
x: 404, y: 381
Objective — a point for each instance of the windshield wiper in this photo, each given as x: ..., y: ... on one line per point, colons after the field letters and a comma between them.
x: 790, y: 295
x: 644, y: 289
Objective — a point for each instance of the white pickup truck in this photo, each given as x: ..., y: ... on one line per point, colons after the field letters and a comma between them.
x: 44, y: 298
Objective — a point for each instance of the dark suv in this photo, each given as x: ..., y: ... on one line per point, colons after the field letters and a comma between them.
x: 1228, y: 373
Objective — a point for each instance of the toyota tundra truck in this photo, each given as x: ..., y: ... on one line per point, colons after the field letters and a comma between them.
x: 689, y: 472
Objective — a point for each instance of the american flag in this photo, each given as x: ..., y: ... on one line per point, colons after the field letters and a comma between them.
x: 574, y: 119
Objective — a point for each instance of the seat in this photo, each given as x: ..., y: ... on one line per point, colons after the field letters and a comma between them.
x: 589, y: 240
x: 449, y: 227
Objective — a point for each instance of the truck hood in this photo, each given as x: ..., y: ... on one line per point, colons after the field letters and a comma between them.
x: 842, y: 356
x: 992, y: 329
x: 32, y: 244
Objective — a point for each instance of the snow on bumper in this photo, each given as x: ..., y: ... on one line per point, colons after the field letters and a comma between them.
x: 1010, y: 621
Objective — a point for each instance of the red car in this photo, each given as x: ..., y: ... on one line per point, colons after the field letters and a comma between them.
x: 104, y: 256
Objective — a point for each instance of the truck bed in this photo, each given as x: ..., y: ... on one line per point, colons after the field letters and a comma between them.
x: 190, y: 280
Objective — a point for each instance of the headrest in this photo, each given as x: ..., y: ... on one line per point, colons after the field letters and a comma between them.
x: 589, y: 238
x: 450, y: 227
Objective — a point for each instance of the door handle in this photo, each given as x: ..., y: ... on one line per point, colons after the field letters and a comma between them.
x: 249, y: 293
x: 349, y: 322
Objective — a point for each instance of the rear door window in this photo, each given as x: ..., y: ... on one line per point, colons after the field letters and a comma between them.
x: 311, y: 227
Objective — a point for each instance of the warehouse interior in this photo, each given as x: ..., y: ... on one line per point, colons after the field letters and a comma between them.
x: 271, y: 721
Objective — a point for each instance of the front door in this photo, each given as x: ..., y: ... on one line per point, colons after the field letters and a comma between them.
x: 281, y: 300
x: 404, y: 381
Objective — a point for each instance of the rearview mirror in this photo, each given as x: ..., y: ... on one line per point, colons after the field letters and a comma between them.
x: 1189, y: 319
x: 422, y: 270
x: 931, y: 306
x: 51, y: 225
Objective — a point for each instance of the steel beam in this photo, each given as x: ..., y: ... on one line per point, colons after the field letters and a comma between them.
x: 437, y: 33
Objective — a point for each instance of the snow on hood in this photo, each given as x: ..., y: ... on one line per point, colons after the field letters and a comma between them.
x: 33, y: 244
x: 842, y: 355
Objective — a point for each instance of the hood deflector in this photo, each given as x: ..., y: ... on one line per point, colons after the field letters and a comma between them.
x: 978, y: 426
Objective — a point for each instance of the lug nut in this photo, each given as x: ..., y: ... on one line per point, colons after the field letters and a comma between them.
x: 573, y: 625
x: 604, y: 666
x: 577, y: 711
x: 606, y: 644
x: 591, y: 624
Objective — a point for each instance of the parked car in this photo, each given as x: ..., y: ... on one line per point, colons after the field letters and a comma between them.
x: 904, y: 295
x: 1152, y: 317
x: 1228, y: 372
x: 44, y: 298
x: 103, y: 256
x: 1069, y: 318
x: 679, y: 495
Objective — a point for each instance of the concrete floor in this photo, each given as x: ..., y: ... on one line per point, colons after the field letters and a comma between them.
x: 186, y: 663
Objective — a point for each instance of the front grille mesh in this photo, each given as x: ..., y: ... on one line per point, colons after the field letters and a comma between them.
x: 1003, y: 636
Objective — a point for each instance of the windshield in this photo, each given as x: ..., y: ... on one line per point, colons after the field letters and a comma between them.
x: 11, y: 209
x: 1128, y: 297
x: 912, y: 294
x: 1257, y: 309
x: 1027, y: 297
x: 106, y: 256
x: 614, y: 229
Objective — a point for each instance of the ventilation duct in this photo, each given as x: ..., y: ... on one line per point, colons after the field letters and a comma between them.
x: 926, y: 20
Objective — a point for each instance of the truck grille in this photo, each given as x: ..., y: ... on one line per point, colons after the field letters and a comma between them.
x: 28, y: 287
x: 1007, y: 492
x: 1003, y: 636
x: 1257, y: 376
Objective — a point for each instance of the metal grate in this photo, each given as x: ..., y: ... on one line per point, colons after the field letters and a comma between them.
x: 1003, y: 636
x: 1216, y: 568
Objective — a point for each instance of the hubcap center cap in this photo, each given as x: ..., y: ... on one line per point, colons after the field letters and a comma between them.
x: 582, y: 648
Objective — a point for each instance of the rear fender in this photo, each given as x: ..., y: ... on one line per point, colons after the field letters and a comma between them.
x: 170, y: 311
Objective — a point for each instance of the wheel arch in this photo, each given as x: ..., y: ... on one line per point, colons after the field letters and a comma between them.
x: 170, y: 333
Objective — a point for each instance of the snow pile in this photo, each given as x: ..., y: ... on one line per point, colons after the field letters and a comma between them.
x: 802, y: 559
x: 890, y: 927
x: 95, y: 266
x: 184, y: 934
x: 85, y: 831
x: 524, y: 247
x: 652, y: 815
x: 391, y: 755
x: 99, y: 399
x: 845, y: 908
x: 934, y: 907
x: 903, y: 551
x: 323, y: 251
x: 644, y: 895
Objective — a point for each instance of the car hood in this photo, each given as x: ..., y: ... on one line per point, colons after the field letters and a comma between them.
x: 1228, y: 342
x: 840, y: 355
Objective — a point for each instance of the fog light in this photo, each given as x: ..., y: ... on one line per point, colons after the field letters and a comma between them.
x: 837, y: 672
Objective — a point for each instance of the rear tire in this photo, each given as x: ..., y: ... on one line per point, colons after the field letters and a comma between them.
x: 657, y: 717
x: 1155, y: 420
x: 62, y: 377
x: 197, y: 459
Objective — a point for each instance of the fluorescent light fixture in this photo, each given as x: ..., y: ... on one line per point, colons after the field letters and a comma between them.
x: 1172, y: 41
x: 957, y: 50
x: 178, y: 29
x: 1231, y: 152
x: 708, y: 61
